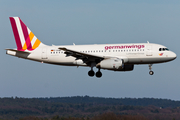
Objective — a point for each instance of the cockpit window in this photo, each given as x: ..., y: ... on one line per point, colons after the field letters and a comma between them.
x: 163, y: 49
x: 166, y: 49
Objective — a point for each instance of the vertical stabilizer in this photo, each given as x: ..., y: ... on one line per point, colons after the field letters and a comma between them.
x: 25, y: 39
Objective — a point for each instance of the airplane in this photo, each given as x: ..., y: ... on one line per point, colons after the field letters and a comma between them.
x: 115, y: 57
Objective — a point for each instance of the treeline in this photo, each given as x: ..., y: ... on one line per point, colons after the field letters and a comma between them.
x: 92, y: 108
x: 164, y: 103
x: 116, y: 101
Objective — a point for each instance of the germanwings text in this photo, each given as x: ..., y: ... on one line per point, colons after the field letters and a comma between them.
x: 124, y: 47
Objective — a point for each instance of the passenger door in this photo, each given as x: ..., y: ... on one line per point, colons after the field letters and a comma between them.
x: 149, y: 50
x: 44, y: 53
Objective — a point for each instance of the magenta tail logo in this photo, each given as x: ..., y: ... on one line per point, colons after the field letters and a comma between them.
x: 25, y: 39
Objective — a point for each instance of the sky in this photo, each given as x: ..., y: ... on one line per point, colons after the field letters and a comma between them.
x: 64, y: 22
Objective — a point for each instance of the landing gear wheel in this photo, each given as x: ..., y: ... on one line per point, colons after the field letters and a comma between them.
x: 151, y: 72
x: 98, y: 74
x: 150, y: 68
x: 91, y: 73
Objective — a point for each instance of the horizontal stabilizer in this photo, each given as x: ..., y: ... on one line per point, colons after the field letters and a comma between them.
x: 17, y: 51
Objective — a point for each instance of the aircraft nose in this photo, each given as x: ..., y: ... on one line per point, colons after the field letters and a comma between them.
x: 173, y: 55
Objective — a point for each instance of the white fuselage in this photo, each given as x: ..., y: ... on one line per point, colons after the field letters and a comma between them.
x: 141, y: 53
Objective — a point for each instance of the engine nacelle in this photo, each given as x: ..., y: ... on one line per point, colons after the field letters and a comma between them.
x: 111, y: 64
x: 115, y: 64
x: 79, y: 63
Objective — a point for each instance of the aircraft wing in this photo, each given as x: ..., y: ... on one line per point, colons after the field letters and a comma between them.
x: 86, y: 57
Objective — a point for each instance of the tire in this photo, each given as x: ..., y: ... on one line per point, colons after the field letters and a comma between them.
x: 98, y: 74
x: 151, y: 72
x: 91, y: 73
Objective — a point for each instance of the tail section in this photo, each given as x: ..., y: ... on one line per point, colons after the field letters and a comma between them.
x: 25, y: 39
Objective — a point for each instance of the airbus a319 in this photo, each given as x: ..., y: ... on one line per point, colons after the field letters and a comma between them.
x: 115, y: 57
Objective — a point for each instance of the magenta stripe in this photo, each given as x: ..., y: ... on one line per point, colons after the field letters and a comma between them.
x: 16, y: 34
x: 26, y: 35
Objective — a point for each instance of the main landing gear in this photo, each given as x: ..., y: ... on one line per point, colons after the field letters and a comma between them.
x: 91, y: 73
x: 150, y: 68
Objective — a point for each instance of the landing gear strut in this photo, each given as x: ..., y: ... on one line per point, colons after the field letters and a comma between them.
x: 91, y: 72
x: 150, y: 68
x: 98, y: 73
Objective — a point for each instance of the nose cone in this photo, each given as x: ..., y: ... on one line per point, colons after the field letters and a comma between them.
x: 173, y: 55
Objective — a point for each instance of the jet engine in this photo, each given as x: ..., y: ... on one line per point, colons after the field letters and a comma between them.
x: 115, y: 64
x: 112, y: 64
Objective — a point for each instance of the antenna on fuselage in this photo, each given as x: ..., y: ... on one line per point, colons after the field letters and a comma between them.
x: 148, y: 42
x: 73, y: 43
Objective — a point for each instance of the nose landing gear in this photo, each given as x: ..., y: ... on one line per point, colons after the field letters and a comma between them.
x: 150, y: 68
